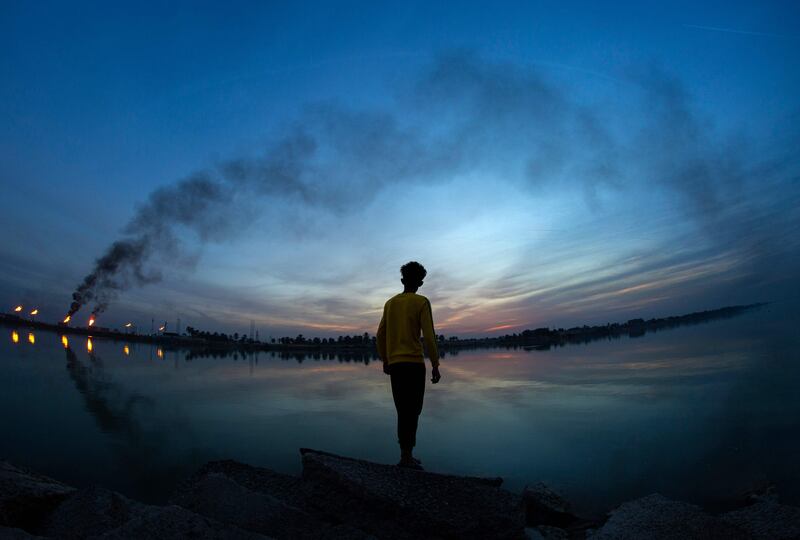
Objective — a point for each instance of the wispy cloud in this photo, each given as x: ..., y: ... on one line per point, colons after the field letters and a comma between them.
x: 742, y: 32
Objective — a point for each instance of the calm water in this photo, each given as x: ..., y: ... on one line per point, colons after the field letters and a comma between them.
x: 696, y: 413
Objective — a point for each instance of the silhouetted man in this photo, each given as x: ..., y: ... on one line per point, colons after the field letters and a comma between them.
x: 404, y: 317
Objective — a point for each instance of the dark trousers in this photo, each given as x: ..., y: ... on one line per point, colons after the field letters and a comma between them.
x: 408, y: 390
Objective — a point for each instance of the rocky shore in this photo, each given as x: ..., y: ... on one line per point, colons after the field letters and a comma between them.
x: 339, y: 498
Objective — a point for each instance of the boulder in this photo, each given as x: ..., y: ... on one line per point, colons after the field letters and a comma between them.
x: 89, y: 512
x: 259, y: 500
x: 767, y: 519
x: 393, y: 502
x: 543, y: 506
x: 285, y: 487
x: 27, y: 497
x: 8, y: 533
x: 657, y: 518
x: 173, y: 523
x: 532, y: 533
x: 545, y: 532
x: 217, y: 496
x: 553, y: 533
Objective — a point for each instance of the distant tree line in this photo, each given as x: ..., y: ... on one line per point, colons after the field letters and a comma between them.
x: 543, y: 337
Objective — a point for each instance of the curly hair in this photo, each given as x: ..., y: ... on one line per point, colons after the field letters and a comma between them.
x: 413, y: 273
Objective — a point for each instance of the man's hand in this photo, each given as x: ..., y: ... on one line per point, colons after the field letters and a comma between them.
x: 435, y: 375
x: 386, y: 368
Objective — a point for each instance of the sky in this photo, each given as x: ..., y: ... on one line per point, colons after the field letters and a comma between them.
x: 550, y: 163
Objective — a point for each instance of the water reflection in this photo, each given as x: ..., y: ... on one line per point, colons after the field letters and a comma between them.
x: 15, y: 336
x: 121, y: 414
x: 31, y: 338
x: 65, y: 342
x: 695, y: 414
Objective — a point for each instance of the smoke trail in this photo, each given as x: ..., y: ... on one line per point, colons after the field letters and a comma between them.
x: 461, y: 116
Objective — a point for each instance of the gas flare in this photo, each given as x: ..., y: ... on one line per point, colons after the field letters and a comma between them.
x: 161, y: 329
x: 128, y: 325
x: 91, y: 320
x: 35, y: 312
x: 67, y: 319
x: 18, y: 309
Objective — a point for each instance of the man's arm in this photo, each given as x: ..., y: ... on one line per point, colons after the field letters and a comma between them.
x: 428, y: 333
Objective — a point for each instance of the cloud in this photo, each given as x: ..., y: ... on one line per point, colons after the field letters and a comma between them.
x: 463, y: 119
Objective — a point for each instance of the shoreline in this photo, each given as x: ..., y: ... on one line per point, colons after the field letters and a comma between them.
x: 338, y: 497
x: 537, y: 339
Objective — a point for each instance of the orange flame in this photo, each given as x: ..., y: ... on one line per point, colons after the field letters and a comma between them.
x: 129, y: 325
x: 161, y: 329
x: 18, y: 309
x: 65, y: 342
x: 35, y: 312
x: 15, y: 336
x: 91, y: 321
x: 31, y: 338
x: 126, y: 350
x: 67, y: 319
x: 89, y: 345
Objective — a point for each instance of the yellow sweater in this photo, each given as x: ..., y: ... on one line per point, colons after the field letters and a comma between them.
x: 404, y: 316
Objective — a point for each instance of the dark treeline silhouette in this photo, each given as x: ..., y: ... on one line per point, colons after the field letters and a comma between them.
x: 202, y: 343
x: 364, y: 356
x: 544, y: 338
x: 539, y: 338
x: 217, y: 336
x: 361, y: 348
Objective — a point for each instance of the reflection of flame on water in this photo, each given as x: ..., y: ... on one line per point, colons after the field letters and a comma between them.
x: 126, y: 350
x: 65, y: 342
x: 18, y: 309
x: 89, y: 345
x: 15, y: 336
x: 31, y: 338
x: 67, y: 318
x: 159, y: 353
x: 35, y: 312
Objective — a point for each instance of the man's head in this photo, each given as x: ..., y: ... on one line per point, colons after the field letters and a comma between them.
x: 413, y: 273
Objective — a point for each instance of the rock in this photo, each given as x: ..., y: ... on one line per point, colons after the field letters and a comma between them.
x: 392, y: 502
x: 553, y: 533
x: 173, y: 523
x: 259, y: 500
x: 532, y: 533
x: 767, y: 519
x: 762, y: 490
x: 89, y: 512
x: 657, y: 518
x: 543, y: 506
x: 218, y: 497
x: 7, y: 533
x: 26, y: 497
x: 284, y: 487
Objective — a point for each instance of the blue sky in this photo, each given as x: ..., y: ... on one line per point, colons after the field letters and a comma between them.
x: 550, y: 163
